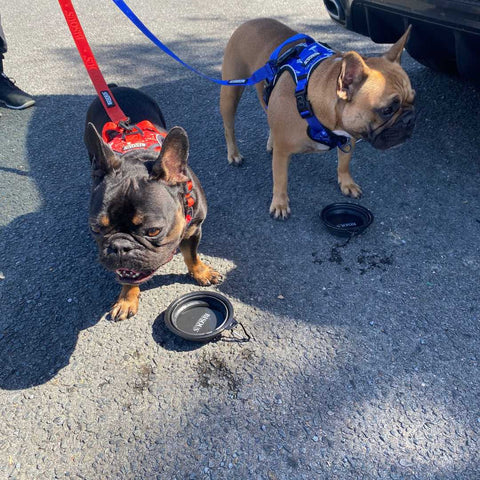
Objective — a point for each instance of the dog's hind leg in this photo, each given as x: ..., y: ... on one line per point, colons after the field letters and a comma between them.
x: 229, y: 98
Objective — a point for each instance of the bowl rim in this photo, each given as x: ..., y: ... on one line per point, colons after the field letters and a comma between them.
x: 354, y: 208
x: 199, y: 295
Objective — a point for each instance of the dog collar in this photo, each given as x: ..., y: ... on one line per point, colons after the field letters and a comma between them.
x: 141, y: 136
x: 300, y: 61
x: 189, y: 201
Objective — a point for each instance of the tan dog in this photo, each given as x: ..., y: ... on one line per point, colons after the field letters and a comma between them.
x: 362, y: 98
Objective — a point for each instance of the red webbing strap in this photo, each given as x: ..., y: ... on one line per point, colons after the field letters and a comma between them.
x: 104, y: 94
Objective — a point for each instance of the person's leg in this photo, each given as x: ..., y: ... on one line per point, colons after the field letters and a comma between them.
x: 3, y: 40
x: 10, y: 95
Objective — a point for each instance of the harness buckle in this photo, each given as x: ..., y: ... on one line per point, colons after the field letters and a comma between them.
x: 291, y: 52
x: 304, y: 106
x: 125, y: 124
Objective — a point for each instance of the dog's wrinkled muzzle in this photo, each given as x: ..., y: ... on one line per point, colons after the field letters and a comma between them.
x: 120, y: 245
x: 132, y: 259
x: 396, y: 133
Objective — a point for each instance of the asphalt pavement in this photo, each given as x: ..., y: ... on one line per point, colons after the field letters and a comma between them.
x: 364, y: 361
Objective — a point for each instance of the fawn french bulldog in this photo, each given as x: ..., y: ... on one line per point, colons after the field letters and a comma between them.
x: 351, y: 96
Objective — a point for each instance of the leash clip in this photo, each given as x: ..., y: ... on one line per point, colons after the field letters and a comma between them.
x: 125, y: 124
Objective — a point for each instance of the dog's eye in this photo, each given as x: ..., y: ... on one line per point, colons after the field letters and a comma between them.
x: 386, y: 112
x: 153, y: 232
x: 391, y: 109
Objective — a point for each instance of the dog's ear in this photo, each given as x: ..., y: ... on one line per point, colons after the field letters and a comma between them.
x: 395, y: 52
x: 171, y: 165
x: 102, y: 156
x: 353, y: 73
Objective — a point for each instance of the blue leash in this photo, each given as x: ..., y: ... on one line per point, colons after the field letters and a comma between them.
x: 311, y: 55
x: 257, y: 76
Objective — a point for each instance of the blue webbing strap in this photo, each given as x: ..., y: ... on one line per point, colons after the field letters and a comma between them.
x: 262, y: 73
x: 304, y: 65
x: 310, y: 55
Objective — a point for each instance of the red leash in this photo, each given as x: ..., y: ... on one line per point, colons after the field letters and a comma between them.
x: 153, y: 139
x: 104, y: 93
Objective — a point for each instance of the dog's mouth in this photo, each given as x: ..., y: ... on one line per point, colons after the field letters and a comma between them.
x: 393, y: 132
x: 133, y: 277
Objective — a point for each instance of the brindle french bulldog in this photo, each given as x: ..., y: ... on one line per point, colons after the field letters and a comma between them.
x: 141, y: 206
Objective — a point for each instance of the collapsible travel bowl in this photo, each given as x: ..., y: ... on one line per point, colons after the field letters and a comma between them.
x: 200, y: 316
x: 346, y: 219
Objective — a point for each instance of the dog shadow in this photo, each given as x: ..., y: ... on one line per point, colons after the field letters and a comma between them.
x: 52, y: 286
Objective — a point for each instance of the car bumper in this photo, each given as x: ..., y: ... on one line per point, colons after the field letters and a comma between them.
x: 445, y: 33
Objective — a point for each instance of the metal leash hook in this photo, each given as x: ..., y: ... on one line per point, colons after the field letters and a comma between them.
x: 125, y: 124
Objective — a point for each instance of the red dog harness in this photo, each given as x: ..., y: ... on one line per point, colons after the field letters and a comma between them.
x: 142, y: 136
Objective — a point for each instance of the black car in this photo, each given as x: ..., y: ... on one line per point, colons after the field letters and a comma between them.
x: 445, y: 34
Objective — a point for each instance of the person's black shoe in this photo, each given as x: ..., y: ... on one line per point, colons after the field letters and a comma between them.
x: 11, y: 96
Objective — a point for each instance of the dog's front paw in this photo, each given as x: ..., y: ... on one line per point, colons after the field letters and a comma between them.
x: 279, y: 208
x: 126, y: 305
x: 123, y: 309
x: 205, y: 275
x: 350, y: 189
x: 235, y: 159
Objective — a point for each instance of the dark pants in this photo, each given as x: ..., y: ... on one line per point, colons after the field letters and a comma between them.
x: 3, y: 40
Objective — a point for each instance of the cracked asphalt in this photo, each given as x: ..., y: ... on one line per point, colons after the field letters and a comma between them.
x: 364, y: 361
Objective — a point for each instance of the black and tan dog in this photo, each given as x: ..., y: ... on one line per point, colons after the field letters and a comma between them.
x: 356, y: 97
x: 145, y: 201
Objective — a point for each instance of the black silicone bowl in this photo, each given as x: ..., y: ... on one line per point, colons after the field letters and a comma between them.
x: 346, y: 219
x: 199, y: 316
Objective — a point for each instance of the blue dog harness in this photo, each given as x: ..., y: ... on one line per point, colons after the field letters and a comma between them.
x: 300, y: 61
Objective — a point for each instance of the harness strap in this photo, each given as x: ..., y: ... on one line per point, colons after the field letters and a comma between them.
x: 300, y: 61
x: 189, y: 201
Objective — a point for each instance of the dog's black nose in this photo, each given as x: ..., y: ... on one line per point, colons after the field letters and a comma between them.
x: 408, y: 119
x: 120, y: 246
